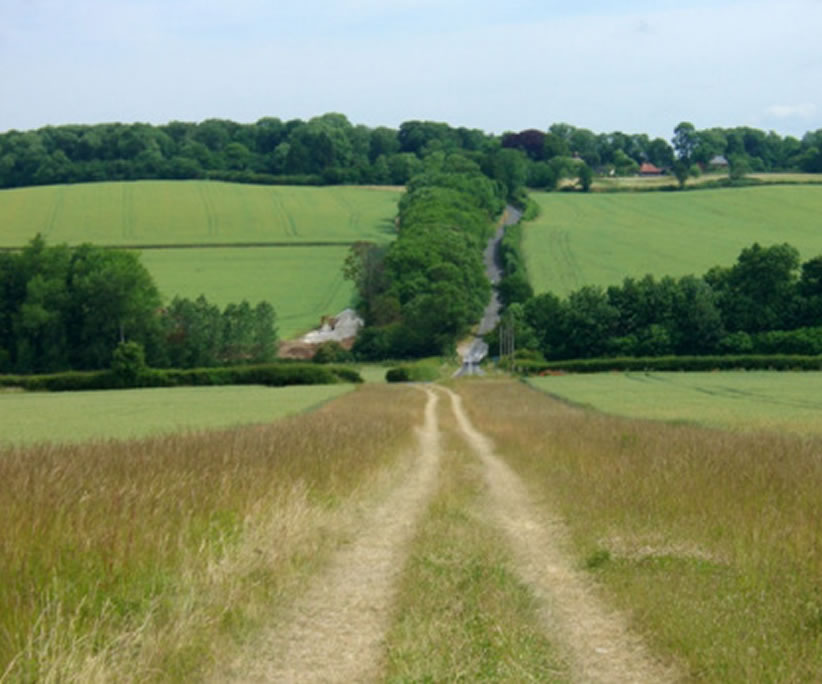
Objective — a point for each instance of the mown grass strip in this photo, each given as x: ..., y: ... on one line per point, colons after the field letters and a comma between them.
x: 708, y: 539
x: 75, y: 416
x: 462, y: 614
x: 752, y: 400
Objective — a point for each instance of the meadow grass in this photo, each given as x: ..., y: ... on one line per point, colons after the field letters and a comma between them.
x: 62, y: 417
x: 746, y: 400
x: 599, y: 239
x: 301, y: 283
x: 149, y: 560
x: 195, y: 212
x: 707, y: 538
x: 461, y: 613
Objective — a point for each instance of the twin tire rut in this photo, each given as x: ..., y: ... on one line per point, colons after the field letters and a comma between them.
x: 335, y: 631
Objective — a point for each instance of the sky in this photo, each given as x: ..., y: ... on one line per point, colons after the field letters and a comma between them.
x: 637, y: 66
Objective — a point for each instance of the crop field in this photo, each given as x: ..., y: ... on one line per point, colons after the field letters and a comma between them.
x: 195, y: 212
x: 752, y: 400
x: 64, y: 417
x: 648, y: 182
x: 599, y: 239
x: 301, y: 283
x: 229, y: 242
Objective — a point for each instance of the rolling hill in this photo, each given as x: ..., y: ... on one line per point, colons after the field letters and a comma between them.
x: 599, y: 239
x: 285, y: 245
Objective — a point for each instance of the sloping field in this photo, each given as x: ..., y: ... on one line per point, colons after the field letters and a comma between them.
x: 194, y: 212
x: 229, y: 242
x: 302, y: 283
x: 745, y: 400
x: 599, y: 239
x: 64, y: 417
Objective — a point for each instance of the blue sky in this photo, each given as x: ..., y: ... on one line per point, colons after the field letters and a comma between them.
x: 635, y: 66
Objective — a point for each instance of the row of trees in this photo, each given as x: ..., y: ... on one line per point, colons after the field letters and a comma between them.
x: 764, y: 303
x: 65, y: 308
x: 428, y: 287
x: 329, y: 149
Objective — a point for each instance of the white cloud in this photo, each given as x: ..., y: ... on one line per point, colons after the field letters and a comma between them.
x: 801, y: 111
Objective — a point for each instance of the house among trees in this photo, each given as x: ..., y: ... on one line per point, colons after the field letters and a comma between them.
x: 718, y: 162
x: 648, y: 169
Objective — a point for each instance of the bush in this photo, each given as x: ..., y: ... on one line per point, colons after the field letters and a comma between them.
x: 399, y: 374
x: 424, y: 371
x: 128, y: 363
x: 332, y: 352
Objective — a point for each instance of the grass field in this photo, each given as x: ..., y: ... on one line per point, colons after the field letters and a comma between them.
x: 302, y: 283
x: 149, y: 560
x: 295, y: 237
x: 195, y: 212
x: 789, y: 402
x: 599, y: 239
x: 80, y: 416
x: 708, y: 539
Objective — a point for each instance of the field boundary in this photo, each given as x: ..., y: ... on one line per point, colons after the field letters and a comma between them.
x: 209, y: 245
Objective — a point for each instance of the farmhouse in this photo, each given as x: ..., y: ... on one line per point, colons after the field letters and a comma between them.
x: 718, y: 162
x: 648, y: 169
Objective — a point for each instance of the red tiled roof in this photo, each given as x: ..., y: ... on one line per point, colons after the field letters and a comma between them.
x: 647, y: 167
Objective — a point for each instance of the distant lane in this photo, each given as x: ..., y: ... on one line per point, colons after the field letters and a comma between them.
x: 490, y: 317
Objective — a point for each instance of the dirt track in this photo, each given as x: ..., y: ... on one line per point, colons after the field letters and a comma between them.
x: 599, y: 646
x: 335, y: 632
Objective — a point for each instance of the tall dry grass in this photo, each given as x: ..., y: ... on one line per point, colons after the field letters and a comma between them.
x: 127, y: 561
x: 710, y: 539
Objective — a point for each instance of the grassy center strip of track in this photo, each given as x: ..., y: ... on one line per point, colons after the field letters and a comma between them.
x: 461, y: 613
x: 708, y: 539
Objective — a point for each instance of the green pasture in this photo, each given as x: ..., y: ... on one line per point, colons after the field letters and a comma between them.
x: 600, y: 238
x: 81, y: 416
x: 749, y: 400
x: 302, y: 283
x: 195, y: 212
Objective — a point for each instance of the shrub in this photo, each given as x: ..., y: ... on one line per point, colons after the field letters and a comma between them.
x: 332, y: 352
x: 128, y: 363
x: 399, y: 374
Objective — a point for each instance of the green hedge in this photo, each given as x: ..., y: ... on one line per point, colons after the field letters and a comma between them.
x: 413, y: 372
x: 674, y: 363
x: 272, y: 375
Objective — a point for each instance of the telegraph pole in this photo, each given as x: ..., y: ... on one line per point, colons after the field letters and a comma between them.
x: 507, y: 343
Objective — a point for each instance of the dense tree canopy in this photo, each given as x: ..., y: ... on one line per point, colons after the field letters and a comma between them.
x: 329, y: 149
x: 763, y: 303
x: 67, y: 308
x: 429, y: 286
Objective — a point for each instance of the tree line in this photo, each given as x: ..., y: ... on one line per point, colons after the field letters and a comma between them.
x: 69, y: 308
x: 427, y: 288
x: 329, y: 149
x: 766, y: 303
